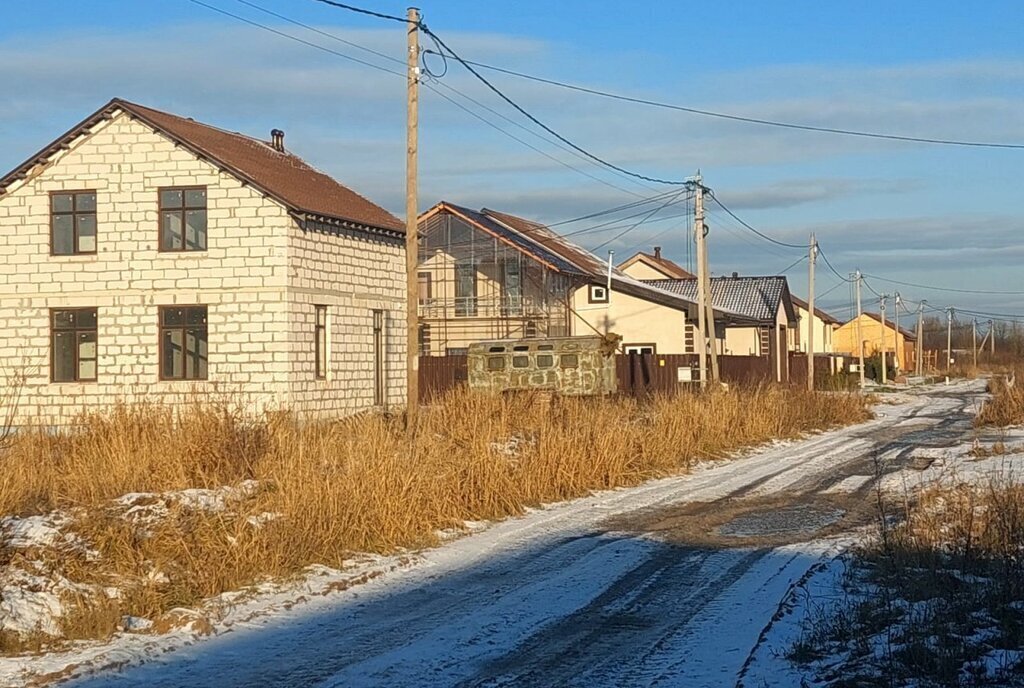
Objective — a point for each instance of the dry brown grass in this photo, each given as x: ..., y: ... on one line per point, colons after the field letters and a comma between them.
x: 936, y: 596
x: 360, y: 484
x: 1006, y: 407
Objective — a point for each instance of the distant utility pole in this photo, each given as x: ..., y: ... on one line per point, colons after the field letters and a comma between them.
x: 812, y: 257
x: 897, y: 353
x: 412, y: 339
x: 698, y: 237
x: 885, y: 346
x: 920, y: 339
x: 974, y: 341
x: 992, y: 334
x: 949, y: 336
x: 860, y: 336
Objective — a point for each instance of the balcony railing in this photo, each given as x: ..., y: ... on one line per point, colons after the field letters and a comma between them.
x: 483, y: 307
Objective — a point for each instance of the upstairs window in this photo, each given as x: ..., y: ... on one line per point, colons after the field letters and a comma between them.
x: 183, y: 219
x: 73, y: 345
x: 598, y: 294
x: 73, y: 223
x: 183, y: 343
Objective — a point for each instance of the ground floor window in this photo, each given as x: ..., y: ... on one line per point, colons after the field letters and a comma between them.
x: 639, y: 348
x: 73, y: 345
x: 320, y: 341
x: 183, y: 343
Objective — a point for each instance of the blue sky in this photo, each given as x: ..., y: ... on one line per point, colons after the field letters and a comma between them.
x: 946, y: 216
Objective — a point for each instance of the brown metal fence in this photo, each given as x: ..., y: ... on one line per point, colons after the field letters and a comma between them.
x: 798, y: 370
x: 438, y: 374
x: 638, y: 374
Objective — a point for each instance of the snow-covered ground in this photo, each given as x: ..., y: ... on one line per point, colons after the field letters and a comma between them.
x: 555, y: 597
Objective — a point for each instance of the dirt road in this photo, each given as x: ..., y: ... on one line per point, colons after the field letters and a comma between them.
x: 667, y: 584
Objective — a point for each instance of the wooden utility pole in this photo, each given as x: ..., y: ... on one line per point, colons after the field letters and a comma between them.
x: 412, y: 339
x: 812, y: 257
x: 709, y: 304
x: 992, y: 344
x: 920, y: 338
x: 860, y: 335
x: 885, y: 346
x: 974, y: 341
x: 698, y: 236
x: 949, y: 337
x: 897, y: 355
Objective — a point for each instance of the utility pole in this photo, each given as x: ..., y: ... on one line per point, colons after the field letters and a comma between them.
x: 949, y: 336
x: 698, y: 236
x: 412, y: 339
x: 860, y: 336
x: 920, y: 338
x: 885, y: 346
x: 812, y: 257
x: 992, y: 334
x: 974, y: 342
x: 709, y: 304
x: 897, y: 353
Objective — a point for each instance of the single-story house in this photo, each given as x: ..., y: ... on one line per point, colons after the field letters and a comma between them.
x: 147, y: 256
x: 488, y: 275
x: 903, y: 342
x: 768, y: 324
x: 824, y: 325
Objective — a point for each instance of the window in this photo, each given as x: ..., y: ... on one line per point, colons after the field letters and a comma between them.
x: 73, y: 345
x: 598, y: 293
x: 638, y: 348
x: 183, y: 219
x: 545, y: 361
x: 73, y: 223
x: 426, y: 288
x: 465, y: 288
x: 183, y: 343
x: 520, y: 361
x: 495, y: 363
x: 512, y: 287
x: 570, y: 360
x: 320, y: 341
x: 424, y: 340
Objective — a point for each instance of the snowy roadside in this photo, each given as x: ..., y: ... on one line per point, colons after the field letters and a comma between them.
x: 820, y: 635
x: 779, y: 464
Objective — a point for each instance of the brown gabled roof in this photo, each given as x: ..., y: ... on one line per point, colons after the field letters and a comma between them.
x: 542, y: 235
x: 669, y: 268
x: 280, y: 175
x: 889, y: 324
x: 822, y: 315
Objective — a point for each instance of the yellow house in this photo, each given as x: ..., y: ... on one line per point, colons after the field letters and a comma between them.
x: 871, y: 334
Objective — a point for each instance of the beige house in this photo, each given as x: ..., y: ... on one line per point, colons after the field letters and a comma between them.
x: 652, y: 266
x: 145, y: 256
x: 874, y: 338
x: 487, y: 275
x: 824, y: 326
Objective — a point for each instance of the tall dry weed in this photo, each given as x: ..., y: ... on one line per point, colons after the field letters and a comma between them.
x: 362, y: 484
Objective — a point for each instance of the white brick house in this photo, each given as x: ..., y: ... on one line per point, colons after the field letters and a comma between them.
x: 147, y: 256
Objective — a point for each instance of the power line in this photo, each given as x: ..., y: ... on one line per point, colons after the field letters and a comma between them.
x: 949, y: 289
x: 361, y: 10
x: 832, y: 267
x: 792, y: 265
x: 752, y: 229
x: 749, y: 120
x: 639, y: 222
x: 296, y: 38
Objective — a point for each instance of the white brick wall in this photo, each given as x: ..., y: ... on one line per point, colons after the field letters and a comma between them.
x: 259, y: 278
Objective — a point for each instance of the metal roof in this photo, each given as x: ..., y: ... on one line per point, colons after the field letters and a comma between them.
x: 757, y: 298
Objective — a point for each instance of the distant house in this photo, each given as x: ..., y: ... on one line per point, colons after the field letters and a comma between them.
x: 823, y: 323
x: 487, y: 275
x: 148, y: 256
x: 766, y: 319
x: 903, y: 342
x: 652, y: 266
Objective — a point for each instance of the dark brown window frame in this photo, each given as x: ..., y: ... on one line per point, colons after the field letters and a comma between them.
x: 590, y: 293
x: 160, y: 344
x: 429, y: 283
x: 74, y: 193
x: 75, y: 330
x: 320, y: 331
x: 160, y: 209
